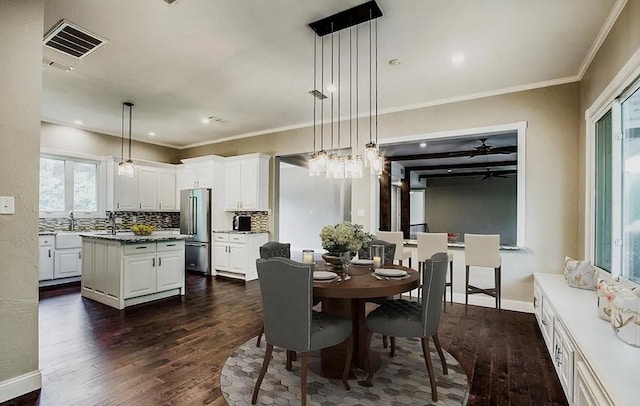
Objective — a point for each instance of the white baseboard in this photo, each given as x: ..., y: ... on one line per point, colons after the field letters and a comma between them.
x: 488, y: 301
x: 20, y: 385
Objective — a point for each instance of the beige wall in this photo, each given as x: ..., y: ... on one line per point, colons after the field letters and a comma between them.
x: 21, y: 31
x: 551, y: 169
x: 621, y: 43
x: 64, y: 138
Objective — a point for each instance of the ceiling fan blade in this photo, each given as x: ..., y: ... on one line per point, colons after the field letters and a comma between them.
x: 487, y: 176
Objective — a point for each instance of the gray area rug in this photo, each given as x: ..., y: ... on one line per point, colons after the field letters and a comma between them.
x: 401, y: 380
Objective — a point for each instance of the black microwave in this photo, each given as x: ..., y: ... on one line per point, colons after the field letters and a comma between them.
x: 241, y: 223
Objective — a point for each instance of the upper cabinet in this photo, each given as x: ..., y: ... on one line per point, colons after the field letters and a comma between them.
x: 150, y: 189
x: 247, y: 183
x: 196, y: 175
x: 202, y: 172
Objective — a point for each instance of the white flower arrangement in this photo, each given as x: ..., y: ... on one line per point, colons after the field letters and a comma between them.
x: 345, y: 236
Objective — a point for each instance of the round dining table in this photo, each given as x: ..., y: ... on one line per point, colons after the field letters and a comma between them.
x: 348, y: 298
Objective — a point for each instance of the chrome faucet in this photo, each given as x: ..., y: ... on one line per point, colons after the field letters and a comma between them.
x: 72, y: 222
x: 112, y: 222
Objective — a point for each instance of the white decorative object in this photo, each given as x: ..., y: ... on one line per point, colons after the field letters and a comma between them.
x: 579, y: 274
x: 607, y: 292
x: 625, y: 316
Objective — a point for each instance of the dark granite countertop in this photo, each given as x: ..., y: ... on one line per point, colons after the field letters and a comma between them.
x: 240, y: 232
x: 132, y: 238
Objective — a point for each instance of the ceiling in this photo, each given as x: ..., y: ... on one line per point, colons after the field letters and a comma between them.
x: 249, y: 63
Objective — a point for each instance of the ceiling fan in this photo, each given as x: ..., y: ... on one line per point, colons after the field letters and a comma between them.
x: 491, y: 174
x: 485, y: 149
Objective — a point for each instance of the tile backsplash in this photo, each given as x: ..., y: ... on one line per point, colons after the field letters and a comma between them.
x: 259, y: 220
x: 160, y: 220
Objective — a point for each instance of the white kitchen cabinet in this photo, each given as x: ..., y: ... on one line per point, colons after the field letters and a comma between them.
x: 147, y: 188
x: 139, y: 275
x: 68, y: 262
x: 196, y: 175
x: 170, y: 265
x: 235, y: 254
x: 247, y: 182
x: 563, y: 359
x: 593, y: 366
x: 126, y: 192
x: 46, y: 257
x: 121, y: 274
x: 166, y: 190
x: 152, y: 188
x: 588, y: 391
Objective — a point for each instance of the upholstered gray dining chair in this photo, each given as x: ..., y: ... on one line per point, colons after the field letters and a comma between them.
x: 273, y: 249
x: 389, y: 255
x: 389, y: 251
x: 289, y: 322
x: 402, y: 318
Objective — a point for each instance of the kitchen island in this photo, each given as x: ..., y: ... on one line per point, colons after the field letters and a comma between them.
x: 124, y: 269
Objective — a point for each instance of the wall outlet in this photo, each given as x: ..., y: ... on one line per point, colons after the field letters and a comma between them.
x: 7, y: 205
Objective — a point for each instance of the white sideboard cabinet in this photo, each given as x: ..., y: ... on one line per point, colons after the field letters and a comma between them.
x: 594, y: 367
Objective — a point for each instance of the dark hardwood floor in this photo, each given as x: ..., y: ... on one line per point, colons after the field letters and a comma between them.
x: 171, y: 352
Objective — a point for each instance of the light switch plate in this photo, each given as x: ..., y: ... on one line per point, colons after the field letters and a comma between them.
x: 7, y: 205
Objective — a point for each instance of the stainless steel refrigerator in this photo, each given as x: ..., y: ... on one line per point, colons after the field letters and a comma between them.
x: 195, y: 220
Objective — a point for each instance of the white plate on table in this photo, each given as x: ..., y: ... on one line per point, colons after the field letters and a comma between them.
x: 324, y: 275
x: 393, y: 273
x: 362, y: 262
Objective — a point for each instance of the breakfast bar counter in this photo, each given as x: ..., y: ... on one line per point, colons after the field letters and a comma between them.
x: 124, y: 269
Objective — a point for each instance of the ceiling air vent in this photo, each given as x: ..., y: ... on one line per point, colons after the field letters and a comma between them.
x: 73, y: 40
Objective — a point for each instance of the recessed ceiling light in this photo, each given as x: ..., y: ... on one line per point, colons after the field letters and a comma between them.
x: 77, y: 122
x: 423, y: 145
x: 205, y: 120
x: 457, y: 59
x: 395, y: 61
x: 152, y: 134
x: 449, y: 171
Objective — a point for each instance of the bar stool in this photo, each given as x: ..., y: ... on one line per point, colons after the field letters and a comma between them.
x: 428, y: 245
x: 483, y: 251
x: 397, y: 238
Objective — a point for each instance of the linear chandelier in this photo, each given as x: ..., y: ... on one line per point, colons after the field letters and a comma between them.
x: 334, y: 164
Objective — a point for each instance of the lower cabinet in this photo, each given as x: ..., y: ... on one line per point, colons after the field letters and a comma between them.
x: 46, y: 255
x: 234, y: 254
x: 68, y: 263
x: 139, y: 275
x: 580, y: 343
x: 563, y: 356
x: 588, y: 391
x: 120, y: 274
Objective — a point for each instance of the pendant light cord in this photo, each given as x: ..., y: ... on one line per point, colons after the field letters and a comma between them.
x: 351, y: 88
x: 315, y: 52
x: 130, y: 112
x: 376, y: 70
x: 122, y: 136
x: 322, y: 90
x: 332, y: 84
x: 370, y: 82
x: 339, y: 88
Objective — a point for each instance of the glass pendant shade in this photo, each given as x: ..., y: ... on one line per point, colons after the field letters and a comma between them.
x: 314, y: 170
x: 322, y: 161
x: 377, y: 164
x: 370, y: 153
x: 335, y: 167
x: 125, y: 169
x: 353, y: 167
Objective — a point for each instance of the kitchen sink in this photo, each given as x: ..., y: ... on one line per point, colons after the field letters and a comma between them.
x: 68, y: 239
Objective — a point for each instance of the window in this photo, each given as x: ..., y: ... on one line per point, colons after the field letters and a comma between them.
x: 616, y: 194
x: 603, y: 196
x: 630, y: 130
x: 68, y: 184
